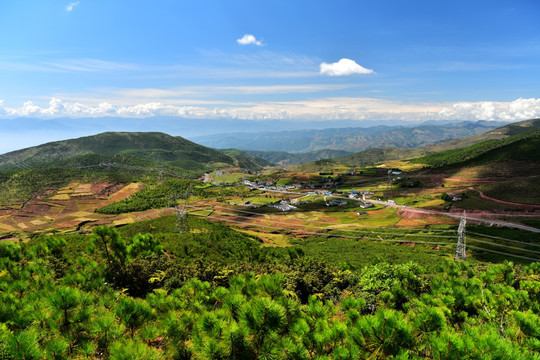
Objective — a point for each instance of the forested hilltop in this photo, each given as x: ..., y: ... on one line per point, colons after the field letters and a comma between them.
x: 146, y: 147
x: 217, y: 294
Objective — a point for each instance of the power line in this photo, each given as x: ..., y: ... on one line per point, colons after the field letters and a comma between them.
x: 506, y: 246
x: 498, y: 222
x: 504, y: 239
x: 330, y: 228
x: 322, y: 234
x: 359, y: 237
x: 503, y: 253
x: 346, y: 230
x: 281, y: 228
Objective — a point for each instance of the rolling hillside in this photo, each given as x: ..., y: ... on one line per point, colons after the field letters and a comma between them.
x: 147, y: 147
x: 285, y: 158
x: 519, y: 147
x: 377, y: 155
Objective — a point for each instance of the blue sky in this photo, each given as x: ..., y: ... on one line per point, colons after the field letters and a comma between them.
x: 299, y: 60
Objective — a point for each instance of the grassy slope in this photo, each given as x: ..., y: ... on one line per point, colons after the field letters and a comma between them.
x: 377, y: 155
x: 174, y: 151
x: 520, y: 147
x: 285, y: 158
x: 244, y: 159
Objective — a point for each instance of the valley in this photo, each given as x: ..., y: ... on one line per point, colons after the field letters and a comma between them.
x: 149, y: 230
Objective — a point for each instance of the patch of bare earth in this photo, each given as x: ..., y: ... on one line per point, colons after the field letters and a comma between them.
x: 126, y: 192
x: 105, y: 188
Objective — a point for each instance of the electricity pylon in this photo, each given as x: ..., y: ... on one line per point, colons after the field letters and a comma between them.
x: 460, y: 246
x: 180, y: 209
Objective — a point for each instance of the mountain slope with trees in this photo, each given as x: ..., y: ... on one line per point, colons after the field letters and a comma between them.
x: 155, y: 147
x: 377, y: 155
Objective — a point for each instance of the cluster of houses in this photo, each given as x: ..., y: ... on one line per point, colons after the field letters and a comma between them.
x: 283, y: 206
x: 336, y: 202
x: 355, y: 194
x: 286, y: 205
x: 265, y: 185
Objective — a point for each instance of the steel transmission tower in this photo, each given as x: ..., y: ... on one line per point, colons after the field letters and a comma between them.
x: 460, y: 246
x: 180, y: 205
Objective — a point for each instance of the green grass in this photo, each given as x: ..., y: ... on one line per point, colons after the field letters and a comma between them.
x: 524, y: 190
x: 360, y: 253
x: 523, y: 146
x: 229, y: 178
x: 473, y: 201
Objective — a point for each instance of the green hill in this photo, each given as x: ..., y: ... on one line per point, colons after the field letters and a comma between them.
x: 141, y: 148
x: 111, y: 157
x: 521, y: 147
x: 285, y: 158
x: 244, y: 159
x: 377, y: 155
x: 498, y: 133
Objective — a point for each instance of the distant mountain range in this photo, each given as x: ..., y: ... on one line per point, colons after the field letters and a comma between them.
x: 351, y: 139
x: 376, y: 155
x: 34, y: 131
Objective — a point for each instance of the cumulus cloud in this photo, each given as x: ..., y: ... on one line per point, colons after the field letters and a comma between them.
x: 343, y: 67
x: 72, y: 5
x: 339, y: 108
x: 507, y: 111
x: 249, y: 39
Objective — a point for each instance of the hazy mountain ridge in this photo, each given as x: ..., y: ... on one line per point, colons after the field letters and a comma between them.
x: 349, y: 139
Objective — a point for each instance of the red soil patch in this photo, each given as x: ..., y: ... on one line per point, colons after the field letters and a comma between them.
x: 265, y: 239
x: 45, y: 193
x: 329, y: 219
x: 407, y: 244
x: 36, y: 208
x: 410, y: 222
x: 105, y: 188
x: 289, y: 222
x: 411, y: 214
x: 66, y: 224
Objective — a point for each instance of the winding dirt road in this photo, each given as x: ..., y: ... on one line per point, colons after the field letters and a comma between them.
x: 484, y: 196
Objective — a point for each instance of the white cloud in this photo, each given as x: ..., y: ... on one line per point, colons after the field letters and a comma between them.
x: 249, y: 39
x: 343, y: 67
x: 89, y: 65
x: 339, y: 108
x: 70, y: 6
x: 519, y: 109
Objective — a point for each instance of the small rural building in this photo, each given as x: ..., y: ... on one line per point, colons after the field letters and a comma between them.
x: 283, y: 206
x: 337, y: 202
